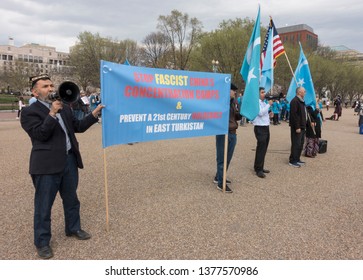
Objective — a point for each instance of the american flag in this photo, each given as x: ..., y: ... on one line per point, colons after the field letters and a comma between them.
x: 278, y: 48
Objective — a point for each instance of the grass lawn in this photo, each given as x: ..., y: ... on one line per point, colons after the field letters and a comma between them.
x: 9, y: 102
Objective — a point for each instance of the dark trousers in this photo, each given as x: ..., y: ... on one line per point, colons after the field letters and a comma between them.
x: 46, y: 189
x: 262, y: 134
x: 297, y: 144
x: 232, y: 140
x: 275, y: 119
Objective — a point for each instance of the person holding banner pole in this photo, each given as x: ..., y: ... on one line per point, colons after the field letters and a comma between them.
x: 54, y: 161
x: 234, y: 116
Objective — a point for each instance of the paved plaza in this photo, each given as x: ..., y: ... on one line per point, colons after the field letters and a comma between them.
x: 163, y: 203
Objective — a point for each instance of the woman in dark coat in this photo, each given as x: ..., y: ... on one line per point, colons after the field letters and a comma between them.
x: 313, y: 132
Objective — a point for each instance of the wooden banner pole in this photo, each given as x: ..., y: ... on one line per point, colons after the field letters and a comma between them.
x: 106, y: 189
x: 225, y: 162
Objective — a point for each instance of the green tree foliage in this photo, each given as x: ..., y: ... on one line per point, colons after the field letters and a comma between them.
x: 328, y: 73
x: 227, y: 45
x: 17, y: 77
x: 86, y: 55
x: 85, y: 58
x: 322, y: 71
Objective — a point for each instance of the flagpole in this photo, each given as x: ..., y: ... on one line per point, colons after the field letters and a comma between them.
x: 288, y: 61
x: 292, y: 71
x: 106, y: 189
x: 272, y: 59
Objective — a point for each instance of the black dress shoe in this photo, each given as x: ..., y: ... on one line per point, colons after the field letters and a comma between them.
x: 260, y: 174
x: 265, y: 171
x: 45, y: 252
x: 80, y: 234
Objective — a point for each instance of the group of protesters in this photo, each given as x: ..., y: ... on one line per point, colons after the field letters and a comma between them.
x: 305, y: 127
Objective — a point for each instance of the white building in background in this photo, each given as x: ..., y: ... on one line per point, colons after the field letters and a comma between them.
x: 38, y: 58
x: 343, y: 52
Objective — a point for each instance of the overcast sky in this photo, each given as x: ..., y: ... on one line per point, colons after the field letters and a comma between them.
x: 57, y: 23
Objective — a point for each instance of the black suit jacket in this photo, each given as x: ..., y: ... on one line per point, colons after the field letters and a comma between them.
x: 48, y: 155
x: 297, y: 114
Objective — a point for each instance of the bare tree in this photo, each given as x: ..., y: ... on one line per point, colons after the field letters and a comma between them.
x: 155, y: 50
x: 182, y: 33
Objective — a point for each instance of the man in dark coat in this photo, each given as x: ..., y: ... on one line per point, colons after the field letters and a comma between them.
x: 297, y: 124
x: 54, y: 161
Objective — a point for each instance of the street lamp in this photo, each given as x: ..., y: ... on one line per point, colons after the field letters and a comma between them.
x: 215, y: 64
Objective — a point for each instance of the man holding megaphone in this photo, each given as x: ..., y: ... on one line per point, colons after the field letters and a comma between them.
x: 55, y: 157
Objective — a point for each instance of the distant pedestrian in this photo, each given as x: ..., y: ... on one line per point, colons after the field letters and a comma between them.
x: 240, y: 100
x: 283, y: 103
x: 320, y: 106
x: 287, y: 117
x: 94, y: 100
x: 360, y: 114
x: 337, y: 109
x: 80, y: 106
x: 276, y: 108
x: 356, y: 106
x: 32, y: 99
x: 21, y: 105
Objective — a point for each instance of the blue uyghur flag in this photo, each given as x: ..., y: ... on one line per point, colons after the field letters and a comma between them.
x: 302, y: 79
x: 250, y: 72
x: 267, y: 73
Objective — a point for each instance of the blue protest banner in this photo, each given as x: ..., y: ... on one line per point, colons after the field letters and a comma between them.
x: 148, y: 104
